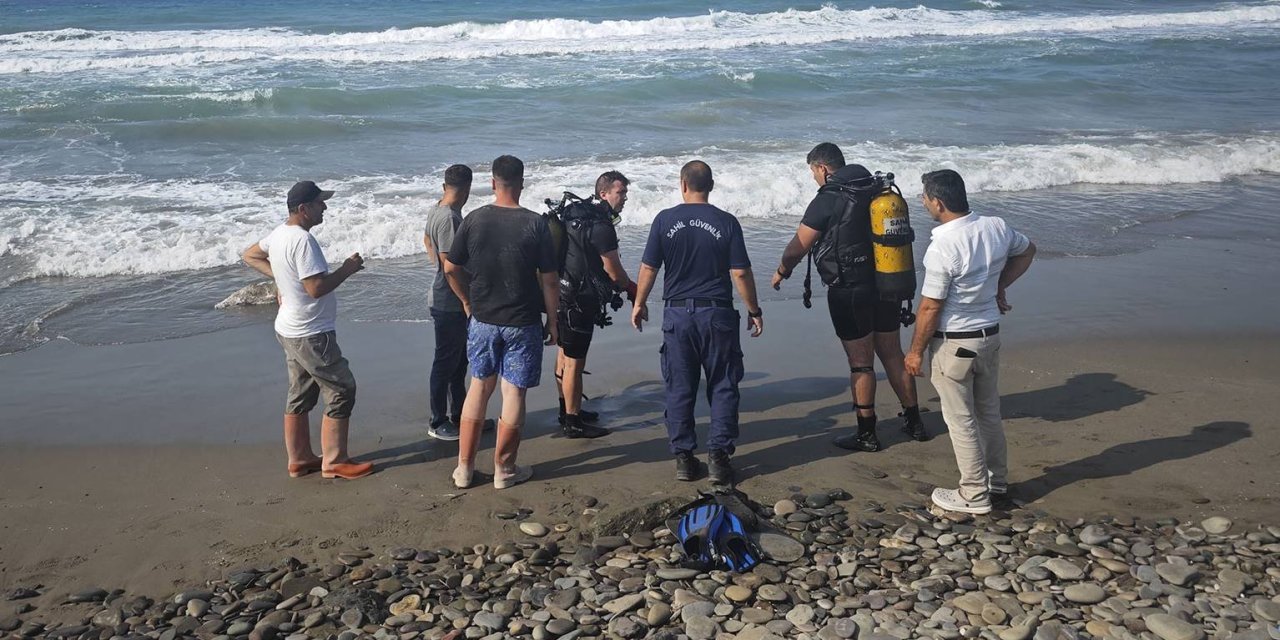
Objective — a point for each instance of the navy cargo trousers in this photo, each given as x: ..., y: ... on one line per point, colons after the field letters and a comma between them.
x: 697, y: 341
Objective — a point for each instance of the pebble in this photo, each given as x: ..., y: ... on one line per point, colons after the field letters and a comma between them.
x: 534, y: 529
x: 1171, y: 628
x: 1177, y: 574
x: 869, y: 571
x: 1217, y: 525
x: 784, y: 508
x: 1085, y: 593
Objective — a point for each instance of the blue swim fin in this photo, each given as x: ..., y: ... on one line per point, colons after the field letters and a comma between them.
x: 736, y: 551
x: 695, y: 533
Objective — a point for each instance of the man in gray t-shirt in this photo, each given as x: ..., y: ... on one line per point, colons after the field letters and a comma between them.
x: 449, y: 368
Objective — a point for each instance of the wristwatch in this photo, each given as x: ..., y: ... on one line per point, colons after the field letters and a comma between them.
x: 759, y: 313
x: 785, y: 275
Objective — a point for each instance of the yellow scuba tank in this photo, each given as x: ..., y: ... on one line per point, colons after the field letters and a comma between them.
x: 891, y: 238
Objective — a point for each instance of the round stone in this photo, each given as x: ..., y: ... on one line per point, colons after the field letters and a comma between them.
x: 700, y: 628
x: 534, y: 529
x: 1217, y: 525
x: 1171, y: 628
x: 785, y: 508
x: 559, y: 627
x: 993, y: 614
x: 1085, y: 593
x: 1177, y: 574
x: 772, y: 593
x: 1268, y: 610
x: 984, y: 568
x: 800, y: 615
x: 737, y: 593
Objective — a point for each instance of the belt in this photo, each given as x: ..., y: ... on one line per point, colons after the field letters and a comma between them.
x: 962, y: 335
x: 699, y: 302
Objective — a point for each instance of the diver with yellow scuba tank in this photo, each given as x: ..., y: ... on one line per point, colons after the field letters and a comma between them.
x: 857, y: 231
x: 591, y: 279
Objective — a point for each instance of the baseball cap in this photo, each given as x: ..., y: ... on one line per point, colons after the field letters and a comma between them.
x: 307, y: 191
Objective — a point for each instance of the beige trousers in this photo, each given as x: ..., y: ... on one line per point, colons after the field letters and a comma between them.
x: 965, y: 374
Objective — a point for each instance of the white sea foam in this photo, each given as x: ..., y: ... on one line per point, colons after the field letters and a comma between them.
x: 141, y: 226
x: 75, y: 50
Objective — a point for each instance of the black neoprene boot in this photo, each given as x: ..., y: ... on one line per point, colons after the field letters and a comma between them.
x: 912, y: 425
x: 864, y: 440
x: 589, y: 417
x: 573, y: 427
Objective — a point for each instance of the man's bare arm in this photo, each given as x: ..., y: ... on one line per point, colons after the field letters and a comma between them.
x: 551, y: 300
x: 1017, y: 265
x: 460, y: 282
x: 617, y: 273
x: 745, y: 282
x: 928, y: 317
x: 800, y: 244
x: 322, y: 284
x: 647, y: 277
x: 255, y: 257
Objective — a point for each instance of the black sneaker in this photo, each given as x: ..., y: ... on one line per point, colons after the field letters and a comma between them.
x: 912, y: 425
x: 572, y: 427
x: 446, y: 430
x: 687, y: 467
x: 721, y: 470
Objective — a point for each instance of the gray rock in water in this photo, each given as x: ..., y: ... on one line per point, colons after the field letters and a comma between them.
x: 1171, y: 628
x: 250, y: 295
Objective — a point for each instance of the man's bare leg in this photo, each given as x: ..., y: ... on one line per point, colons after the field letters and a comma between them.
x: 889, y: 350
x: 470, y: 428
x: 862, y: 383
x: 506, y: 473
x: 573, y: 424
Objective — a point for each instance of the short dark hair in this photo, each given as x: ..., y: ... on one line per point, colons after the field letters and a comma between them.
x: 947, y: 186
x: 508, y: 170
x: 458, y: 175
x: 606, y: 180
x: 696, y: 175
x: 828, y: 154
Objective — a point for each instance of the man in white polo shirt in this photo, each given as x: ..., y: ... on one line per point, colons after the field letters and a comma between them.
x: 970, y: 262
x: 305, y: 327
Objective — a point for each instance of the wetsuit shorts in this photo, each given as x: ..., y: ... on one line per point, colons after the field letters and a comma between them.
x: 577, y: 326
x: 855, y: 317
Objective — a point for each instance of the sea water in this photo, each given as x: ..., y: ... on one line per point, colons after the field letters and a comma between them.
x: 145, y: 143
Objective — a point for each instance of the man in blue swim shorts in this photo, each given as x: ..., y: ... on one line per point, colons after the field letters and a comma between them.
x: 502, y: 266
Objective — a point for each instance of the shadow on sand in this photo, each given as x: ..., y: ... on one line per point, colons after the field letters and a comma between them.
x: 1081, y: 396
x: 1124, y: 459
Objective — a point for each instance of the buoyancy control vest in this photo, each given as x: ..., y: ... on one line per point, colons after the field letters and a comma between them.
x: 867, y: 244
x: 582, y: 275
x: 843, y: 254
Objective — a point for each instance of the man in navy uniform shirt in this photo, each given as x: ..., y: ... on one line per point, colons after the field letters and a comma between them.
x: 702, y: 249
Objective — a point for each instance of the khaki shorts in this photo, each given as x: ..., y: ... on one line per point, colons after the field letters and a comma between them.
x: 316, y: 366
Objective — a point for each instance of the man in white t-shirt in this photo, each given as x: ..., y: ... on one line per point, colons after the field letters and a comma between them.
x: 305, y: 327
x: 970, y: 262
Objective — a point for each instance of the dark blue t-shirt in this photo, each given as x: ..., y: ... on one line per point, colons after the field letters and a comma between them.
x: 697, y: 244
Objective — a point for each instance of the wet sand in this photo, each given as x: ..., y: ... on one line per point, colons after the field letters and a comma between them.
x: 152, y: 467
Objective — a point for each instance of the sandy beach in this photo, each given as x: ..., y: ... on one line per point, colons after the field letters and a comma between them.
x: 154, y: 467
